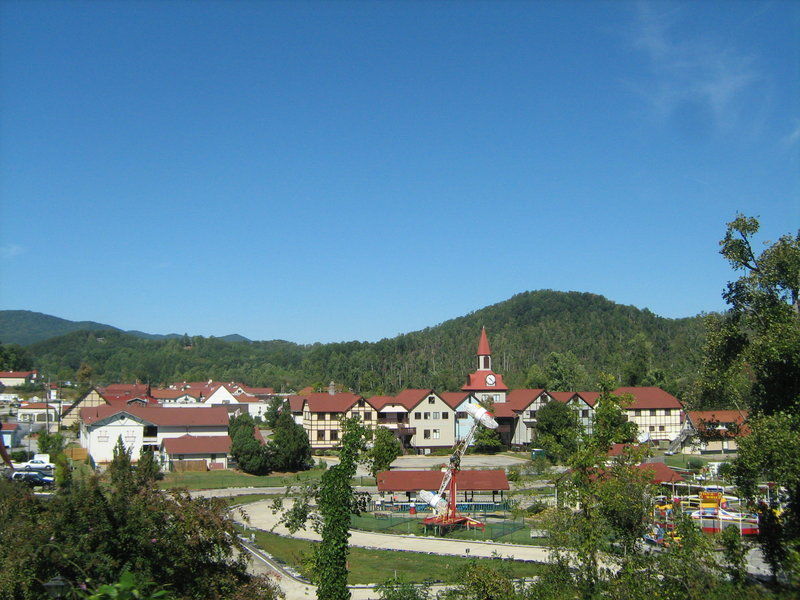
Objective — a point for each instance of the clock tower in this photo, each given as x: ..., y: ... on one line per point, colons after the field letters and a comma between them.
x: 484, y: 383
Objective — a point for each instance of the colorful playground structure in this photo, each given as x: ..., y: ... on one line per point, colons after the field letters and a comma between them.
x: 710, y: 509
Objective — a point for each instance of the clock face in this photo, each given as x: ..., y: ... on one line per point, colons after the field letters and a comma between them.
x: 490, y: 380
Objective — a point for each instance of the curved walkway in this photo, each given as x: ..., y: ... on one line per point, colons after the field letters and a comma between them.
x: 260, y: 516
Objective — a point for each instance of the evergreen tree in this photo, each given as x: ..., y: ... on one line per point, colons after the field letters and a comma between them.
x: 120, y: 472
x: 558, y: 430
x: 147, y: 469
x: 289, y: 446
x: 250, y: 454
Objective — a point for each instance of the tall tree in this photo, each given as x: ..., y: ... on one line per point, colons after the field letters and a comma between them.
x: 289, y: 447
x: 760, y: 334
x: 336, y: 504
x: 558, y: 430
x: 385, y: 448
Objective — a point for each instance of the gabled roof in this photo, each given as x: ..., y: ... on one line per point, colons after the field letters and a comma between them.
x: 648, y: 397
x: 661, y: 473
x: 161, y: 415
x: 35, y: 406
x: 324, y: 402
x: 718, y: 419
x: 201, y: 444
x: 18, y: 374
x: 589, y: 397
x: 453, y: 399
x: 410, y: 398
x: 516, y: 401
x: 171, y: 394
x: 296, y: 403
x: 483, y: 344
x: 380, y: 402
x: 413, y: 481
x: 477, y: 382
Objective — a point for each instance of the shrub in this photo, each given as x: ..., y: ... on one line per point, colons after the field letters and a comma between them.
x: 694, y: 464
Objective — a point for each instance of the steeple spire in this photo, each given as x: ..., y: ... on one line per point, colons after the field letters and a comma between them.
x: 483, y: 344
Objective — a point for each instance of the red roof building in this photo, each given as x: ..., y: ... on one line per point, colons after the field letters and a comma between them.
x: 468, y: 480
x: 203, y: 444
x: 211, y: 416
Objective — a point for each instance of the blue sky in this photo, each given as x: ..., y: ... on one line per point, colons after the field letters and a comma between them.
x: 329, y: 171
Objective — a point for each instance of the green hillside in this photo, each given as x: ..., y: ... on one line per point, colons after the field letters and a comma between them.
x: 558, y: 339
x: 27, y: 327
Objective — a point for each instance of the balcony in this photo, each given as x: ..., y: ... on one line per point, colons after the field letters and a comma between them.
x: 392, y: 423
x: 404, y: 430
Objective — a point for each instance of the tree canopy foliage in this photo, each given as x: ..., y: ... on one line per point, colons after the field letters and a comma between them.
x: 570, y: 337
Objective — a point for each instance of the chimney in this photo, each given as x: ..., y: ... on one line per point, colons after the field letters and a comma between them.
x: 332, y: 388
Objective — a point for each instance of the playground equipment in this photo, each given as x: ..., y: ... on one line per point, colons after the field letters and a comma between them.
x: 714, y: 515
x: 446, y: 515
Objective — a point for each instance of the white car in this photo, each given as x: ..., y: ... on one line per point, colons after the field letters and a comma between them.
x: 35, y: 463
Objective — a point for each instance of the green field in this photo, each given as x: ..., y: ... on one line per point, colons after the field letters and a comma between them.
x: 210, y: 480
x: 513, y: 532
x: 249, y: 498
x: 375, y: 566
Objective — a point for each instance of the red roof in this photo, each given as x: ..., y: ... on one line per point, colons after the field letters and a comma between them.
x: 36, y: 405
x: 453, y: 399
x: 197, y: 444
x: 309, y: 389
x: 170, y: 394
x: 324, y: 402
x: 589, y: 397
x: 161, y: 415
x: 483, y: 344
x: 477, y: 382
x: 718, y: 419
x: 9, y: 426
x: 661, y: 472
x: 648, y: 397
x: 408, y: 399
x: 296, y: 403
x: 516, y: 401
x: 18, y: 374
x: 413, y: 481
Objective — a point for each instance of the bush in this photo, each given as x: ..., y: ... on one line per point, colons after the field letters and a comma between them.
x: 694, y: 464
x: 21, y: 456
x: 514, y: 474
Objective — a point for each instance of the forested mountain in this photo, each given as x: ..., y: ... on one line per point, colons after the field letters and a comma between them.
x: 544, y: 338
x: 27, y: 327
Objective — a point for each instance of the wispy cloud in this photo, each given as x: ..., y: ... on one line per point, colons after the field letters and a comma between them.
x: 794, y: 136
x: 11, y: 250
x: 696, y: 81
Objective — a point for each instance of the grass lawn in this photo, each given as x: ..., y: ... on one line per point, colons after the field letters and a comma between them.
x: 208, y: 480
x: 375, y: 566
x: 513, y: 532
x: 680, y: 460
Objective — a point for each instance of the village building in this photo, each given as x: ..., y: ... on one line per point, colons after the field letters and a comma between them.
x: 35, y: 411
x: 657, y: 414
x: 583, y: 405
x: 714, y: 431
x: 145, y: 427
x: 16, y: 378
x: 323, y: 414
x: 193, y: 452
x: 458, y: 401
x: 10, y: 434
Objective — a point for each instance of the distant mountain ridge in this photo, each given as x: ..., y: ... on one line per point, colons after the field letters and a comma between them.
x: 543, y: 338
x: 27, y: 327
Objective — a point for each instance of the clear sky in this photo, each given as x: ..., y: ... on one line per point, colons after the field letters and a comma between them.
x: 323, y: 171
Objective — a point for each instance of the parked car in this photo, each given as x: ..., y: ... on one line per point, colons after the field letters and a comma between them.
x: 38, y: 462
x: 32, y: 478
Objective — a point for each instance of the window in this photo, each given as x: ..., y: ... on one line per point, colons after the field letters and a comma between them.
x: 461, y: 415
x: 652, y: 413
x: 436, y: 415
x: 368, y: 416
x: 150, y: 431
x: 652, y: 427
x: 661, y: 428
x: 637, y: 413
x: 486, y: 364
x: 361, y: 404
x: 436, y: 434
x: 418, y: 415
x: 496, y: 398
x: 668, y: 412
x: 321, y: 435
x: 531, y: 414
x: 426, y: 434
x: 445, y: 416
x: 585, y: 414
x: 427, y: 416
x: 431, y: 400
x: 334, y: 435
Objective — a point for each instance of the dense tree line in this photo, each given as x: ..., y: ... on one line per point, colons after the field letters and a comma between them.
x: 544, y: 338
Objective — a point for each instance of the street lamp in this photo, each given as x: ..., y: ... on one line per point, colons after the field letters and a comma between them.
x: 57, y: 587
